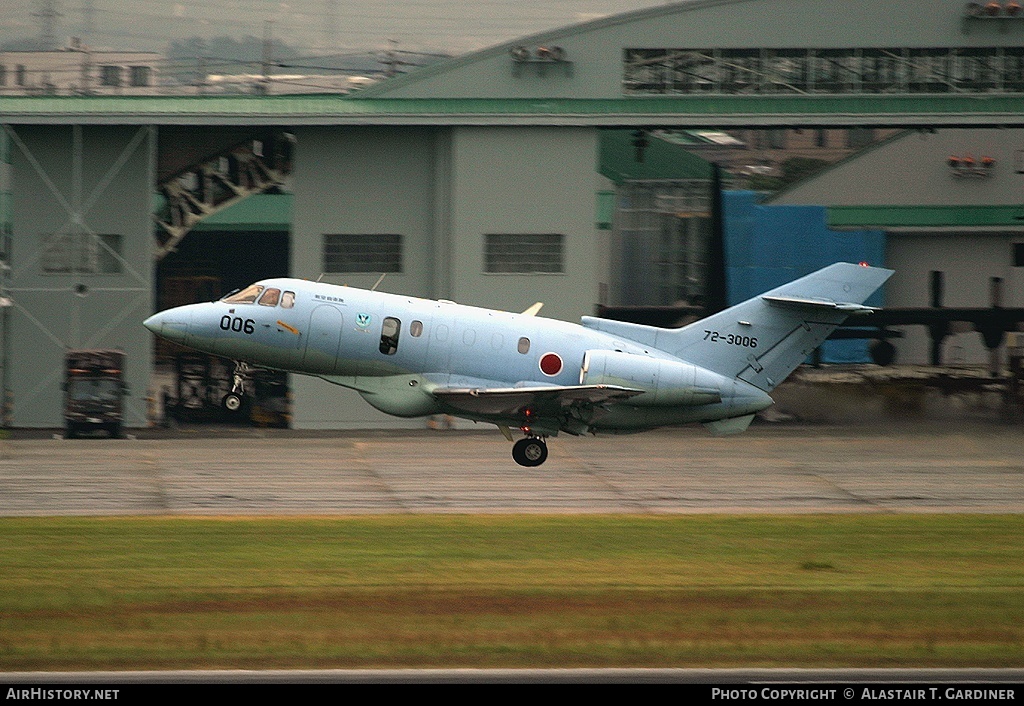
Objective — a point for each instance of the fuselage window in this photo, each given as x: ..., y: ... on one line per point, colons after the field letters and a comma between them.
x: 389, y: 335
x: 416, y: 329
x: 246, y: 296
x: 270, y: 297
x: 288, y: 300
x: 524, y: 345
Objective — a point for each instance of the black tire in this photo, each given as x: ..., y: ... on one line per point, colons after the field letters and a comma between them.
x: 530, y: 452
x: 882, y: 352
x: 232, y: 402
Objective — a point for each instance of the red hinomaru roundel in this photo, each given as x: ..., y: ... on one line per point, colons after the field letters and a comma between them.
x: 550, y: 364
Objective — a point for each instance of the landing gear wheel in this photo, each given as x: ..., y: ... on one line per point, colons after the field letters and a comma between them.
x: 530, y: 451
x: 232, y: 402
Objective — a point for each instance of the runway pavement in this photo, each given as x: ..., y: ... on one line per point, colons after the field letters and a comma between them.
x: 977, y: 467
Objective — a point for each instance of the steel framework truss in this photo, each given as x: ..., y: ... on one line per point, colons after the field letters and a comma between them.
x: 196, y: 193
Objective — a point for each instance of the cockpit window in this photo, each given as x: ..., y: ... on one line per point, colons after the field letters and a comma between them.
x: 246, y: 296
x: 270, y: 297
x: 288, y: 300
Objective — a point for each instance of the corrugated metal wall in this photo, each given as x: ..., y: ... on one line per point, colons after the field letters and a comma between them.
x: 767, y: 246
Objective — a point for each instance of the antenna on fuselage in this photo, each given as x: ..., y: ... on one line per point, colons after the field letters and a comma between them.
x: 379, y: 280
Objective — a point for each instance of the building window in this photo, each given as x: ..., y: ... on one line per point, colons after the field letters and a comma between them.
x: 982, y: 69
x: 524, y: 253
x: 20, y: 75
x: 140, y: 76
x: 83, y: 253
x: 3, y: 75
x: 350, y: 253
x: 110, y: 76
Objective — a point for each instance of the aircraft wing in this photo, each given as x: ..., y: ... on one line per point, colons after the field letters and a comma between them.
x: 542, y: 401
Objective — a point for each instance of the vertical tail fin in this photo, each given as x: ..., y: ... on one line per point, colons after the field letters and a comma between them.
x: 762, y: 340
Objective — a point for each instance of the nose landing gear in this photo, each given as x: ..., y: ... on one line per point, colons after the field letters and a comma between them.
x: 232, y: 401
x: 531, y: 451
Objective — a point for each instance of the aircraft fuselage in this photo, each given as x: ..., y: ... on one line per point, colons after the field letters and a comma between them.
x: 336, y: 333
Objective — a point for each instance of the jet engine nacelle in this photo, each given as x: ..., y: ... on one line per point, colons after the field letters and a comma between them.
x: 667, y: 382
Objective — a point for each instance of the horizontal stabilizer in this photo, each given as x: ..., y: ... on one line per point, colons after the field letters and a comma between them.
x: 823, y: 304
x: 726, y: 427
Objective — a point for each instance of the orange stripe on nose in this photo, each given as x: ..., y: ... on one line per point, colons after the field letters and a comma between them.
x: 286, y: 327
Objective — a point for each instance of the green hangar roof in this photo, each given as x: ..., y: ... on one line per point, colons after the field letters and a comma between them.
x: 660, y: 159
x: 647, y: 111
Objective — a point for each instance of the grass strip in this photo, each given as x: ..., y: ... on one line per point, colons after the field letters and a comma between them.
x: 512, y: 591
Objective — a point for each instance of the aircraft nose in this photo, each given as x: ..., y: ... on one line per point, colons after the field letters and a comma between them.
x: 171, y: 324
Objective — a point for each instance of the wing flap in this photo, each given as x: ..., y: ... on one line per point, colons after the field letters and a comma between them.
x: 512, y: 401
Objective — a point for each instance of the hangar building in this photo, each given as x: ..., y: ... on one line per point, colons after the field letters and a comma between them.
x: 475, y: 180
x: 949, y: 201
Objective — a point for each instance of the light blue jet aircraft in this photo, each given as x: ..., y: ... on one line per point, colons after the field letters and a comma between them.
x: 413, y: 357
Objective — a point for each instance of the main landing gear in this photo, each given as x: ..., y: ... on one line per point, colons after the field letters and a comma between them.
x: 232, y: 401
x: 531, y: 451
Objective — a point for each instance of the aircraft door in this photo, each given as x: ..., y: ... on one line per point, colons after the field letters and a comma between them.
x: 438, y: 330
x: 323, y: 340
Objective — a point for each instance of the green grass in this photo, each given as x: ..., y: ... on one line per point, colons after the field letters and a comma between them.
x: 515, y: 591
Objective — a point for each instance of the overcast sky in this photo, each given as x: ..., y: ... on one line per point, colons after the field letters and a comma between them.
x: 317, y: 26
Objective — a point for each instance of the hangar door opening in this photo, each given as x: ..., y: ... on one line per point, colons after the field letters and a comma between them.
x: 223, y: 221
x: 207, y: 265
x: 665, y: 230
